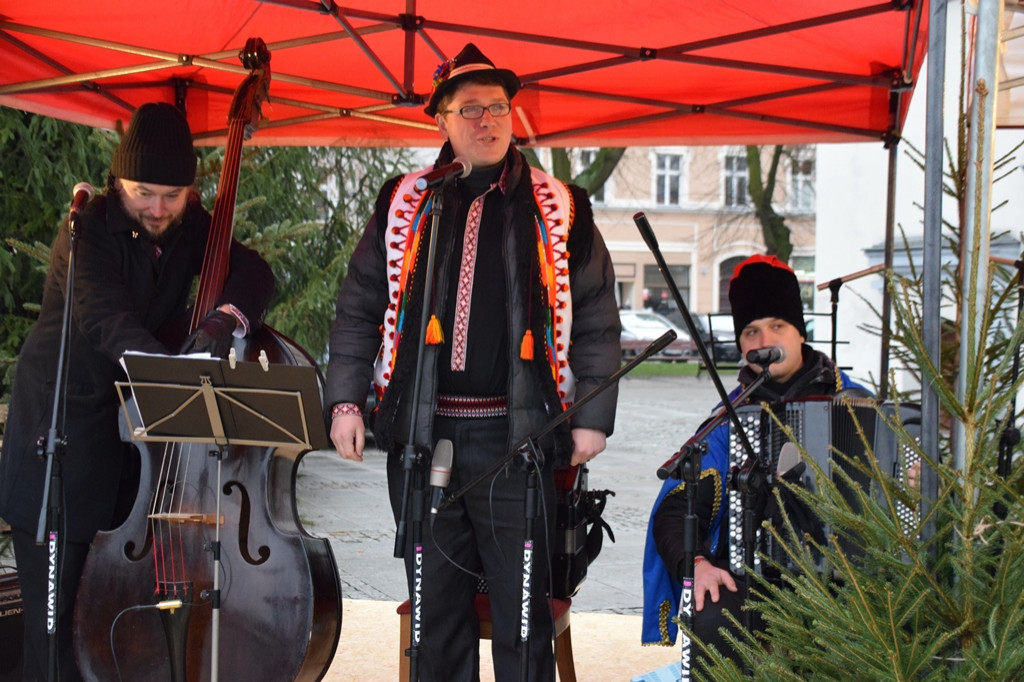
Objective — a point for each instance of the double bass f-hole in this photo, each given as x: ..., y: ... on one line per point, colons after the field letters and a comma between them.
x: 244, y: 513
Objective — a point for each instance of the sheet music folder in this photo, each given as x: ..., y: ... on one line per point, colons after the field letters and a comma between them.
x: 193, y: 399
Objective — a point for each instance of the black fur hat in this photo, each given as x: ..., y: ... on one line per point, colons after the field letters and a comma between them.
x: 764, y: 286
x: 156, y: 148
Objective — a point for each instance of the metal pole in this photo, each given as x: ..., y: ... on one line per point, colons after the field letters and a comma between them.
x: 890, y: 238
x: 978, y: 203
x: 931, y: 295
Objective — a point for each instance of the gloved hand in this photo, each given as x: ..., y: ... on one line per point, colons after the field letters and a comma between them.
x: 213, y: 335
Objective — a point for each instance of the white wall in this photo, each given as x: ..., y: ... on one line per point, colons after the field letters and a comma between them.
x: 851, y: 204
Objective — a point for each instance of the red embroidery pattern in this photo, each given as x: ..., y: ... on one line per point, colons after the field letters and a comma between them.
x: 555, y: 212
x: 464, y: 295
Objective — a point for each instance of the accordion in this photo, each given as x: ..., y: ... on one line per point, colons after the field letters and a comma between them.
x: 821, y: 426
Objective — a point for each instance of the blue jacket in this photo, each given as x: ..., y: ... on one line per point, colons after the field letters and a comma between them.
x: 661, y: 588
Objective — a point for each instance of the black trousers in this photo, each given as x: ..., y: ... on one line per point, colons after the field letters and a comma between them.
x: 33, y: 568
x: 708, y: 622
x: 482, y: 534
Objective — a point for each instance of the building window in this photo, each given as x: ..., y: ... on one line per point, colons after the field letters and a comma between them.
x: 736, y: 177
x: 725, y: 270
x: 802, y: 264
x: 587, y: 158
x: 657, y: 296
x: 668, y: 179
x: 801, y: 195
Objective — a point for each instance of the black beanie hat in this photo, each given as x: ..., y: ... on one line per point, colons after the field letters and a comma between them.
x: 156, y: 148
x: 764, y: 286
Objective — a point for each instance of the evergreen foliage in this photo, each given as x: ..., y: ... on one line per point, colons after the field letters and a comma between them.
x: 304, y: 209
x: 941, y: 598
x: 41, y: 159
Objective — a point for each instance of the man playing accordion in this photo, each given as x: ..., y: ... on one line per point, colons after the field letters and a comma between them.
x: 767, y: 312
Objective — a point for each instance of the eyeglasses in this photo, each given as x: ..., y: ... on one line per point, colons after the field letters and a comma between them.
x: 475, y: 111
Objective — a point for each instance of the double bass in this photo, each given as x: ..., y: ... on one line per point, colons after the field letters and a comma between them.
x: 212, y: 574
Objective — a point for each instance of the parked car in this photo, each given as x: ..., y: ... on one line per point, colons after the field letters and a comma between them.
x: 720, y: 340
x: 641, y: 327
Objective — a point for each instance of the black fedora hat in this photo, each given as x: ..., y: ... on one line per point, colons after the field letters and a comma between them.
x: 470, y: 61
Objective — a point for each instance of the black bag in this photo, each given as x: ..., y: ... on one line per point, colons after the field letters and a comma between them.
x: 579, y: 530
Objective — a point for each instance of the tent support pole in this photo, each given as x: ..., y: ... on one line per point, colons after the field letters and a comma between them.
x: 932, y: 242
x: 978, y: 205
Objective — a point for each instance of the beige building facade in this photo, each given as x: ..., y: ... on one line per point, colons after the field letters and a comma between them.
x: 697, y: 202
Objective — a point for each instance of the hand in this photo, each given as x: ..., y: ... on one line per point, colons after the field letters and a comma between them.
x: 710, y: 579
x: 213, y: 335
x: 348, y: 433
x: 586, y: 445
x: 914, y: 475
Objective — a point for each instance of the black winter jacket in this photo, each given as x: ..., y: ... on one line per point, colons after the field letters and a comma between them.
x: 595, y: 350
x: 123, y: 296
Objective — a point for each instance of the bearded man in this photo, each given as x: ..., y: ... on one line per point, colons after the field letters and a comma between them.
x: 139, y: 246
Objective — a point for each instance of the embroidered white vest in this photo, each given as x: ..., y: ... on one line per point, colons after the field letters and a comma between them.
x: 409, y: 213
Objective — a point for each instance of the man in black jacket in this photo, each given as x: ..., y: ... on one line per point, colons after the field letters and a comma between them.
x: 140, y: 246
x: 523, y: 320
x: 767, y: 312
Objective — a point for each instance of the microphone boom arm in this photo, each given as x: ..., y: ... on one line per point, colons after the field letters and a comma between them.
x: 652, y: 243
x: 527, y: 445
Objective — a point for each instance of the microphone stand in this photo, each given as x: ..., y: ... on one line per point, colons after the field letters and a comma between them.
x: 412, y: 458
x: 652, y: 243
x: 684, y: 463
x: 833, y: 286
x: 749, y: 479
x: 533, y: 462
x: 52, y: 447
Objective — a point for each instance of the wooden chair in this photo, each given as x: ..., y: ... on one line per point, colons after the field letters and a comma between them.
x: 563, y: 637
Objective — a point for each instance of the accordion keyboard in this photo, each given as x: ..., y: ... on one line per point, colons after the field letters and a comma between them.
x: 821, y: 427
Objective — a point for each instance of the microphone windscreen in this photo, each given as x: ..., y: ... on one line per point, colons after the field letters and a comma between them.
x: 83, y: 187
x: 441, y: 464
x: 789, y: 457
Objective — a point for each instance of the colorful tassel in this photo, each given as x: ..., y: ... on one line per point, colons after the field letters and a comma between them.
x: 434, y: 334
x: 526, y: 347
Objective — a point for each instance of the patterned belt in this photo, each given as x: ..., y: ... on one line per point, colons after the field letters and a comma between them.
x: 471, y: 407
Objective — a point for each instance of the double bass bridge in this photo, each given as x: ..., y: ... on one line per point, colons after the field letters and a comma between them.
x: 181, y: 518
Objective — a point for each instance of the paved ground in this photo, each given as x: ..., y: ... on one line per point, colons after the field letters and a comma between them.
x: 347, y: 502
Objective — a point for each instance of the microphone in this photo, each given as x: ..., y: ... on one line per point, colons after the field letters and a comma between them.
x: 440, y: 474
x: 459, y: 168
x: 766, y: 356
x: 80, y: 196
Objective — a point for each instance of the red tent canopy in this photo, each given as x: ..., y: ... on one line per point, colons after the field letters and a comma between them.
x: 595, y: 73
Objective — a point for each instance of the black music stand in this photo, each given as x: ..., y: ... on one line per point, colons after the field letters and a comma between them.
x: 194, y: 399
